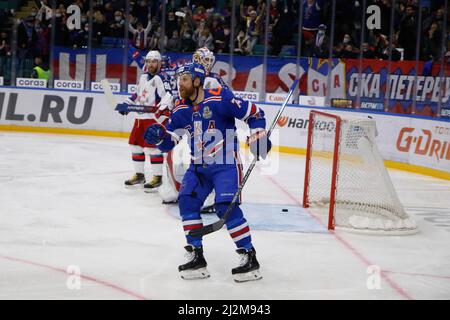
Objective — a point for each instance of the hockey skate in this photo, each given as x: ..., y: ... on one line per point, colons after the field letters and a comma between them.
x: 195, y: 268
x: 136, y: 181
x: 248, y: 269
x: 154, y: 184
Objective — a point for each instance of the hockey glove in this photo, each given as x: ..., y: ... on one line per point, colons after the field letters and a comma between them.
x: 259, y: 143
x: 155, y: 133
x: 122, y: 108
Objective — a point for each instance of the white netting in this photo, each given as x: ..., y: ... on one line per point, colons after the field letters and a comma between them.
x: 365, y: 197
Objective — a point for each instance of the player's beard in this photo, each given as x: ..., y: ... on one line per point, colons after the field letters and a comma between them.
x: 152, y: 69
x: 186, y: 93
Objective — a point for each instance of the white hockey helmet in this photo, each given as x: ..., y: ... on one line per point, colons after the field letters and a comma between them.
x: 205, y: 57
x: 153, y: 55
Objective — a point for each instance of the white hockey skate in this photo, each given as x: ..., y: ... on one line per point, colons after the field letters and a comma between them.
x: 195, y: 268
x: 248, y: 269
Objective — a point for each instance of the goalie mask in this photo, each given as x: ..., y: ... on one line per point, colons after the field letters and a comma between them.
x: 204, y: 57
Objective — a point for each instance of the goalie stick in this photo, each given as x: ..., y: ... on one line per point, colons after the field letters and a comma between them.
x: 198, y: 232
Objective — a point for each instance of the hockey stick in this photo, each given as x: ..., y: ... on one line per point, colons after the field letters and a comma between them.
x: 113, y: 102
x: 198, y: 232
x: 108, y: 93
x: 130, y: 108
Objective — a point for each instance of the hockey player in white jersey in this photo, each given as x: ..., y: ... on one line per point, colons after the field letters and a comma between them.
x: 153, y: 91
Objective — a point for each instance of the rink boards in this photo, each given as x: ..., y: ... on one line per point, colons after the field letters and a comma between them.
x: 411, y: 143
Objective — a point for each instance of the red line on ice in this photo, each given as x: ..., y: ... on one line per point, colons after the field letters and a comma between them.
x: 393, y: 285
x: 89, y: 278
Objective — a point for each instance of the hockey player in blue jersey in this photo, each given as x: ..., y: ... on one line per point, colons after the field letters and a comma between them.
x: 208, y: 117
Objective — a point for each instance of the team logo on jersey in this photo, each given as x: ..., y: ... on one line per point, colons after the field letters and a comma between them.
x: 207, y: 113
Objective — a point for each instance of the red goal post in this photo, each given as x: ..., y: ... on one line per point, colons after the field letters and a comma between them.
x: 345, y: 177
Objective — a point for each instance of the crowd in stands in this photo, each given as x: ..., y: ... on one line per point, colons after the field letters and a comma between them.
x: 190, y: 24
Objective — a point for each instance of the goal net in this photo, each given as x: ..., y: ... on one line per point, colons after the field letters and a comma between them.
x: 345, y: 177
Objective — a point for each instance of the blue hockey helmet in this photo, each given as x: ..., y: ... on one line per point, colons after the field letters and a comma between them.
x: 194, y: 69
x: 165, y: 62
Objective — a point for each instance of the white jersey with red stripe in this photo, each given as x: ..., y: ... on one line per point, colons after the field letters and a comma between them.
x: 150, y: 91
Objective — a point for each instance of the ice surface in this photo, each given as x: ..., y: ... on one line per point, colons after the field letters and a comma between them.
x: 63, y: 205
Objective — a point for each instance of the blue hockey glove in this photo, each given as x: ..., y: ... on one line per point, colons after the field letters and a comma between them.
x: 155, y: 133
x: 259, y: 144
x: 122, y: 108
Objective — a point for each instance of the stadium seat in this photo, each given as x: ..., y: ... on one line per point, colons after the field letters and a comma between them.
x: 287, y: 51
x: 110, y: 42
x: 258, y: 50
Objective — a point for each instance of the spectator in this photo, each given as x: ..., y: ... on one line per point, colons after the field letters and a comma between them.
x: 141, y: 12
x: 157, y: 42
x: 200, y: 27
x: 117, y: 27
x: 171, y: 23
x: 61, y: 30
x: 174, y: 44
x: 407, y: 37
x: 41, y: 69
x: 349, y: 52
x: 218, y: 35
x: 100, y: 28
x: 205, y: 39
x: 320, y: 44
x: 253, y: 24
x: 282, y: 32
x: 341, y: 46
x: 5, y: 46
x: 140, y: 35
x: 273, y: 12
x: 199, y: 14
x: 81, y: 37
x: 26, y: 38
x: 242, y: 44
x: 42, y: 41
x: 380, y: 43
x: 367, y: 51
x: 432, y: 43
x: 109, y: 13
x: 186, y: 34
x: 225, y: 46
x: 312, y: 10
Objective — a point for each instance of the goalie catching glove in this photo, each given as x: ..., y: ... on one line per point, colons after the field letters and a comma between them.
x: 155, y: 133
x: 259, y: 143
